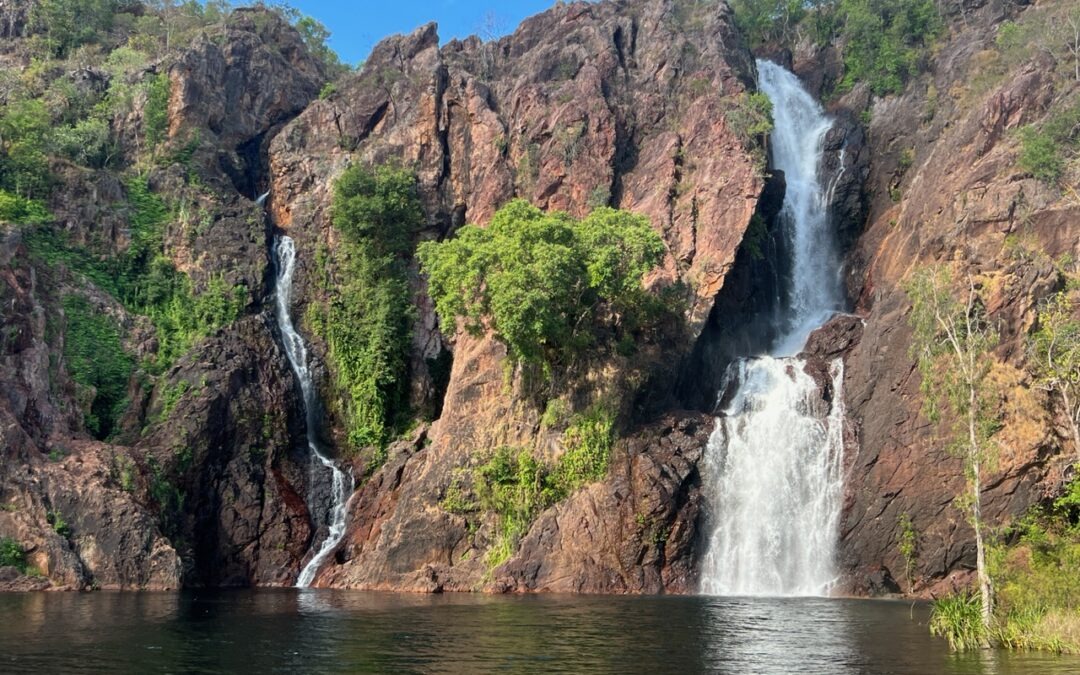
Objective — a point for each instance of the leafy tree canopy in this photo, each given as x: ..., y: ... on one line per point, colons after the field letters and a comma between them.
x: 542, y: 281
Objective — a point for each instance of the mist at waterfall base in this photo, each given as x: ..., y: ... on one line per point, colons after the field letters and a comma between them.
x: 321, y: 466
x: 773, y: 466
x: 326, y: 631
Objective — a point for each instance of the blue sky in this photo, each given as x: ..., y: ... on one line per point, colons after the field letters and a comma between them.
x: 356, y: 26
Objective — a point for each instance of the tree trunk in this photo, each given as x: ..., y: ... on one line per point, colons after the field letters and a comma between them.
x: 986, y: 588
x: 1071, y: 414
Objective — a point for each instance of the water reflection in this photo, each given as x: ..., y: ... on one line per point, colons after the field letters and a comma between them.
x: 338, y: 632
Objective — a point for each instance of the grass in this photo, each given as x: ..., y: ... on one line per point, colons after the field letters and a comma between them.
x: 958, y: 619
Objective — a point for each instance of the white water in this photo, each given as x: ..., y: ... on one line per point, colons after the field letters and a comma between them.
x: 774, y: 462
x: 296, y: 350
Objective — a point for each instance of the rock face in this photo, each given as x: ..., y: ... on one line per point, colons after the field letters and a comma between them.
x: 626, y: 103
x: 963, y: 199
x: 204, y: 484
x: 619, y: 103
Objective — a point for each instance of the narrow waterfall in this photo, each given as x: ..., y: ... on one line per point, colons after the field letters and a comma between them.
x: 341, y: 482
x: 773, y: 466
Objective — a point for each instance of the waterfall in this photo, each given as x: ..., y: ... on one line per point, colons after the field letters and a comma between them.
x: 773, y: 466
x: 341, y: 483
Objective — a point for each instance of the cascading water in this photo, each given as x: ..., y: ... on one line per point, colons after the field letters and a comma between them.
x: 341, y: 483
x: 774, y: 463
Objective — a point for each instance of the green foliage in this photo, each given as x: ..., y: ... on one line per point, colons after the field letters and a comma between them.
x: 1054, y: 351
x: 58, y: 524
x: 555, y: 413
x: 170, y: 397
x: 588, y: 442
x: 315, y: 36
x: 145, y: 280
x: 885, y: 40
x: 1038, y: 578
x: 24, y: 166
x: 367, y: 321
x: 328, y: 90
x: 516, y: 486
x: 953, y: 344
x: 70, y: 23
x: 908, y: 546
x: 958, y: 619
x: 156, y: 113
x: 1046, y: 149
x: 21, y: 211
x: 545, y: 283
x: 96, y: 361
x: 12, y: 554
x: 87, y: 142
x: 764, y: 21
x: 750, y: 117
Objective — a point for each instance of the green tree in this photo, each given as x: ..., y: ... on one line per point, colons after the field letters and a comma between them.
x: 315, y: 36
x: 24, y: 135
x: 763, y: 21
x: 541, y: 281
x: 952, y: 342
x: 70, y: 23
x: 1054, y: 348
x: 884, y: 41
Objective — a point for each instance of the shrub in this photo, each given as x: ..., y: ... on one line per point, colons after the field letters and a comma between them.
x: 1039, y: 154
x: 545, y: 283
x: 588, y: 442
x: 24, y: 131
x: 516, y: 486
x: 12, y: 554
x: 885, y: 41
x: 1045, y: 149
x: 21, y: 211
x: 70, y: 23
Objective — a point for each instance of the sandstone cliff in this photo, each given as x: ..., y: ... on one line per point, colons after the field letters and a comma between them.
x: 627, y: 103
x: 632, y: 114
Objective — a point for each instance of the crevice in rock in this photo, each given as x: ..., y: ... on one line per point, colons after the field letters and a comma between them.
x: 743, y: 317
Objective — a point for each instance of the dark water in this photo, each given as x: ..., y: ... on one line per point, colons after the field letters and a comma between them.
x: 343, y: 632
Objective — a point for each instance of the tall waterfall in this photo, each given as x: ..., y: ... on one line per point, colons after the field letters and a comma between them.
x: 773, y: 465
x: 341, y: 483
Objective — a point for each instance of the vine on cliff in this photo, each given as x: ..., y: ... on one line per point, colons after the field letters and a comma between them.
x: 366, y: 317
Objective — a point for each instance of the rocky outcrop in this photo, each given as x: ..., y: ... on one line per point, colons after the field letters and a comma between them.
x: 203, y: 483
x: 60, y: 497
x: 945, y: 186
x: 231, y: 92
x: 619, y: 103
x: 636, y: 532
